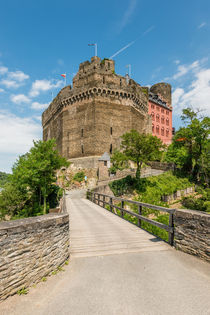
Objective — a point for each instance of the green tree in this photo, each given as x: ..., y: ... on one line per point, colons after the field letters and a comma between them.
x: 33, y: 178
x: 119, y: 161
x: 139, y: 148
x: 189, y: 149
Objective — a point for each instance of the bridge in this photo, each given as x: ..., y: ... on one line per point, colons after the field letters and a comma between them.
x: 117, y: 268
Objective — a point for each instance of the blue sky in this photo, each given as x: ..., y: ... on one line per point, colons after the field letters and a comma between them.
x: 40, y: 40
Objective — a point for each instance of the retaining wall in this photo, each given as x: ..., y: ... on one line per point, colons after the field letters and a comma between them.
x: 192, y: 232
x: 30, y: 249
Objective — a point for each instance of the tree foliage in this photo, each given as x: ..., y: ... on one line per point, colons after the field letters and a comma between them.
x: 33, y: 180
x: 136, y: 147
x: 190, y: 146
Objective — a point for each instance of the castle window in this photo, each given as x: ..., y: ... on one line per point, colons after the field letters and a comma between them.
x: 105, y: 163
x: 162, y: 120
x: 162, y: 131
x: 157, y: 130
x: 167, y: 112
x: 120, y: 82
x: 157, y: 107
x: 110, y: 150
x: 167, y: 132
x: 153, y: 116
x: 152, y: 106
x: 111, y: 130
x: 82, y: 147
x: 103, y: 80
x: 162, y: 110
x: 167, y: 122
x: 157, y: 118
x: 82, y: 132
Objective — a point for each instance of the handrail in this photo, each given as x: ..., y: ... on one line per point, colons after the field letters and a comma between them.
x: 96, y: 197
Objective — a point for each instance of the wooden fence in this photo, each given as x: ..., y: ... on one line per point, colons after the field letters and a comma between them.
x: 102, y: 200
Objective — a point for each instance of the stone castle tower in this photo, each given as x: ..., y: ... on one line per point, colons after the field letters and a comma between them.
x: 88, y: 119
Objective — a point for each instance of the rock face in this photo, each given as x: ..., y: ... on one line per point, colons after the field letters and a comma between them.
x: 30, y: 249
x: 192, y: 232
x: 88, y: 119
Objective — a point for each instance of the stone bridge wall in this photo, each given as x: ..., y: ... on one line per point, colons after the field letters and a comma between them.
x: 30, y: 249
x: 192, y: 232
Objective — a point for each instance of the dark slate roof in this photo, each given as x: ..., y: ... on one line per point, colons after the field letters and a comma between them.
x: 105, y: 157
x: 154, y: 98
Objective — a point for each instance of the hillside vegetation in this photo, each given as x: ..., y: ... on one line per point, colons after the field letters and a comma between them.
x: 3, y: 178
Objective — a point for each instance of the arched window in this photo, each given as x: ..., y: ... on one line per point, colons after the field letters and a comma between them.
x: 162, y: 131
x: 153, y: 116
x: 167, y: 132
x: 167, y: 121
x: 157, y: 129
x: 162, y: 120
x: 158, y: 118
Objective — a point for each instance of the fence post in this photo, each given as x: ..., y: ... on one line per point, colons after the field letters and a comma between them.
x: 110, y: 200
x: 122, y: 206
x: 171, y: 234
x: 140, y: 212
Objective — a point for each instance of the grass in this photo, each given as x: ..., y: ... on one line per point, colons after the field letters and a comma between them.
x: 22, y: 291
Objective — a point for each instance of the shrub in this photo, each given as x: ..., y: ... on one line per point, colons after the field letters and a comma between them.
x: 79, y: 177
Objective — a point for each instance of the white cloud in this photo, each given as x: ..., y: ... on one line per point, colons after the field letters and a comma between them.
x: 177, y: 62
x: 3, y: 70
x: 16, y: 137
x: 10, y: 83
x: 196, y: 95
x: 18, y: 76
x: 1, y: 90
x: 202, y: 25
x: 19, y: 99
x: 184, y: 69
x: 38, y: 106
x: 42, y: 86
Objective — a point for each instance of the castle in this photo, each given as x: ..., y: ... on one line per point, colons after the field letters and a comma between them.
x: 89, y: 118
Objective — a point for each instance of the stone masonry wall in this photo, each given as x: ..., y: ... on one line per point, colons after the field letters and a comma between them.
x: 30, y: 249
x: 192, y: 232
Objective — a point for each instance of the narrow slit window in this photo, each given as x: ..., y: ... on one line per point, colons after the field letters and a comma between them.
x: 110, y: 150
x: 103, y: 80
x: 111, y: 130
x: 82, y: 146
x: 82, y: 132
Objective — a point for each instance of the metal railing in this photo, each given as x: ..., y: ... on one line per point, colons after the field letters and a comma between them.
x: 108, y: 200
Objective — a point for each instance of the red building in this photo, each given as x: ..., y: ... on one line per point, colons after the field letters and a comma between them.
x: 160, y: 110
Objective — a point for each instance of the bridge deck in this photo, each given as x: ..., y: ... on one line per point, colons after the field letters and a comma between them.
x: 117, y: 268
x: 95, y: 231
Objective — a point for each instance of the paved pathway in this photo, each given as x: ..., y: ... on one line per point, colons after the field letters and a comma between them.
x: 117, y: 268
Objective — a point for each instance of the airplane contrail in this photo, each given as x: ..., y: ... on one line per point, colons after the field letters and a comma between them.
x: 119, y: 51
x: 131, y: 43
